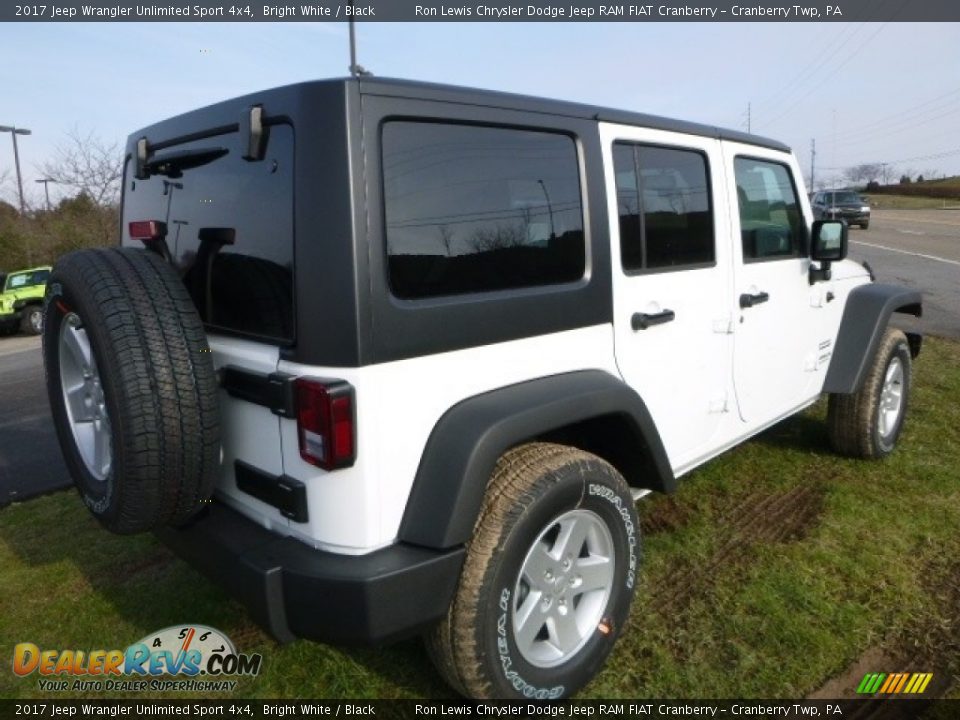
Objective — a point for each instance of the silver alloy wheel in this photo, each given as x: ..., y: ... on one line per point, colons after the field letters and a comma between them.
x: 891, y: 399
x: 563, y: 587
x: 36, y: 321
x: 84, y: 399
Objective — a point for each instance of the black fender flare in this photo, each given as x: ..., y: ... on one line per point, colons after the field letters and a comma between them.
x: 465, y: 444
x: 864, y: 321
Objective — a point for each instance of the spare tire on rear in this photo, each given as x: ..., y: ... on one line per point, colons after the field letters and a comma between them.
x: 132, y: 388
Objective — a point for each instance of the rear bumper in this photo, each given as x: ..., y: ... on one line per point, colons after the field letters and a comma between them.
x: 294, y: 590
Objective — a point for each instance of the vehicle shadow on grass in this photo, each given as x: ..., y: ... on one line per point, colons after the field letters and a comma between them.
x: 117, y: 589
x: 805, y: 433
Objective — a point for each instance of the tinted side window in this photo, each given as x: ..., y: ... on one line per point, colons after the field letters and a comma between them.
x: 666, y: 220
x: 230, y: 232
x: 771, y: 224
x: 475, y: 209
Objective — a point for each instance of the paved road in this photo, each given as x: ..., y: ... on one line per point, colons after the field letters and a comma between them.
x: 30, y: 459
x: 920, y: 249
x: 915, y: 248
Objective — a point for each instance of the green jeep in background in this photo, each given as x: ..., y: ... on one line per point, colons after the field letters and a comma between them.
x: 21, y: 302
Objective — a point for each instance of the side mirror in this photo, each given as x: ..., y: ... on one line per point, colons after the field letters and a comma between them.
x: 829, y: 240
x: 829, y: 244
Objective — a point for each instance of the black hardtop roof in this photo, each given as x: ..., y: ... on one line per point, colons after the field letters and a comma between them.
x: 527, y: 103
x: 188, y: 123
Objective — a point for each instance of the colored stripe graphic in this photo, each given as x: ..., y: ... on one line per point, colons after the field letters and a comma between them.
x: 914, y: 682
x: 901, y: 681
x: 894, y: 683
x: 891, y: 679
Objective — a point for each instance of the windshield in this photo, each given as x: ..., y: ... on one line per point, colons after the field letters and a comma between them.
x: 27, y: 279
x: 844, y: 197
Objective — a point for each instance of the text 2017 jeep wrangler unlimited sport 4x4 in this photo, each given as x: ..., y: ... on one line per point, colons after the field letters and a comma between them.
x: 388, y: 358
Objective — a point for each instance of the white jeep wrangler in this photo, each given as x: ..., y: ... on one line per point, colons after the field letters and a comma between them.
x: 387, y: 358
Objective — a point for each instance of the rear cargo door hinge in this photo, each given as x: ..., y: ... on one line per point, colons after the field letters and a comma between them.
x: 273, y: 391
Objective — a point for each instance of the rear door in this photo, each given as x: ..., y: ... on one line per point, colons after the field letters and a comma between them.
x: 671, y: 281
x: 230, y: 235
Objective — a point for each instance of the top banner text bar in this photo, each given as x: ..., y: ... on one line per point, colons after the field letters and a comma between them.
x: 457, y: 10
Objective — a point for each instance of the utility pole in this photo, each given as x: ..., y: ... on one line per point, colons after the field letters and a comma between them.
x: 46, y: 189
x: 14, y: 131
x: 749, y: 114
x: 546, y: 195
x: 813, y: 163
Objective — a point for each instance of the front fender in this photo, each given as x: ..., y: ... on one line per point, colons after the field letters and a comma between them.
x: 864, y: 321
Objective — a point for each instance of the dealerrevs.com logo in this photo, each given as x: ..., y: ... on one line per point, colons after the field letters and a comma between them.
x: 174, y: 658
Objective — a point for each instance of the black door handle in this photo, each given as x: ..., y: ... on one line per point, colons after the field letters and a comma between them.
x: 641, y: 321
x: 748, y: 300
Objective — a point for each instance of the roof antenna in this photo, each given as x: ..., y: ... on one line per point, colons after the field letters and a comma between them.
x: 355, y: 70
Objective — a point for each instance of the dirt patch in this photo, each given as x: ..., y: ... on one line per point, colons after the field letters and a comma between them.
x: 666, y: 515
x: 247, y: 635
x: 930, y: 643
x: 782, y: 517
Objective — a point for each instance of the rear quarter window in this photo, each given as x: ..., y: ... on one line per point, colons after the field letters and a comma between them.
x: 473, y: 209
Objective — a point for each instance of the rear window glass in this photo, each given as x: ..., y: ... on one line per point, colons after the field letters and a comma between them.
x: 477, y: 209
x: 229, y: 230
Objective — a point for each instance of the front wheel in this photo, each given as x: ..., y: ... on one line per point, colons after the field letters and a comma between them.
x: 868, y: 423
x: 32, y: 320
x: 548, y: 578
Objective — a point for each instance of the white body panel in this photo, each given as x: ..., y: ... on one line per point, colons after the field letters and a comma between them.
x: 358, y: 509
x: 711, y: 378
x: 250, y: 433
x: 681, y: 369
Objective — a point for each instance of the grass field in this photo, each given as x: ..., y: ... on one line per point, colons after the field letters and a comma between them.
x: 778, y: 570
x: 930, y: 194
x: 905, y: 202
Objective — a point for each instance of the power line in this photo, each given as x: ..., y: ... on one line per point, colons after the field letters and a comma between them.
x: 856, y: 136
x: 785, y: 89
x: 933, y: 156
x: 850, y: 57
x: 896, y: 117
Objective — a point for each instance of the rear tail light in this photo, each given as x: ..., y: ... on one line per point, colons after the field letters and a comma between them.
x: 326, y: 422
x: 147, y: 230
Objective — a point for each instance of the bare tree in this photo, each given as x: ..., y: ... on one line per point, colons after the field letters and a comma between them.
x: 446, y: 236
x: 859, y: 174
x: 486, y: 239
x: 4, y: 177
x: 89, y: 165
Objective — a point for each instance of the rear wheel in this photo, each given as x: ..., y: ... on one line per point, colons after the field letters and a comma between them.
x: 132, y: 388
x: 548, y: 578
x: 31, y: 322
x: 868, y: 423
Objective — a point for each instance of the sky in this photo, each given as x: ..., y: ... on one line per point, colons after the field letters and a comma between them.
x: 866, y: 92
